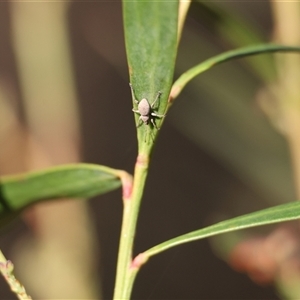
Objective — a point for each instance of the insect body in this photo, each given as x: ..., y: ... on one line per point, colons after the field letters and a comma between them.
x: 146, y: 110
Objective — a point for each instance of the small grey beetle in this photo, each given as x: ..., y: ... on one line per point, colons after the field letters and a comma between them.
x: 146, y: 110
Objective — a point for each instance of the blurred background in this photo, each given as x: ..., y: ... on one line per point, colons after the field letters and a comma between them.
x: 229, y: 146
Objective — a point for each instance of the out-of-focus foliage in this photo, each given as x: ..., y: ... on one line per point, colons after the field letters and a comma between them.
x: 218, y: 110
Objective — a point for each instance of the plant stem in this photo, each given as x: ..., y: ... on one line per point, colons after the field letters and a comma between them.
x: 6, y: 269
x: 124, y: 279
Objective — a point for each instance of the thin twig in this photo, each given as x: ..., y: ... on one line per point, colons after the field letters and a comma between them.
x: 6, y: 269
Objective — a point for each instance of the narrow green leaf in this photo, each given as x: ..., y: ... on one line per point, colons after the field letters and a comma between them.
x: 276, y: 214
x: 76, y: 181
x: 237, y: 30
x: 151, y: 46
x: 186, y: 77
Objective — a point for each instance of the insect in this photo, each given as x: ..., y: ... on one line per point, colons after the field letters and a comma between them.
x: 146, y: 110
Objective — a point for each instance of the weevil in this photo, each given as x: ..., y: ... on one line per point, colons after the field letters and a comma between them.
x: 146, y: 110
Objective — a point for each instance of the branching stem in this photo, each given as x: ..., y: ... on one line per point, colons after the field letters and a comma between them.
x: 126, y: 270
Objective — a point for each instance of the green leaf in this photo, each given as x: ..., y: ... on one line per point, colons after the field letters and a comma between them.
x: 237, y: 30
x: 151, y: 46
x: 276, y: 214
x: 76, y: 181
x: 186, y: 77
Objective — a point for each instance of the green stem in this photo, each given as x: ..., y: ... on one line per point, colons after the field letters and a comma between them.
x: 125, y: 269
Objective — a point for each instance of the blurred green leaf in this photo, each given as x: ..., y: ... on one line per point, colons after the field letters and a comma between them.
x: 276, y: 214
x: 236, y: 29
x: 151, y: 45
x: 186, y: 77
x: 220, y: 114
x: 76, y: 181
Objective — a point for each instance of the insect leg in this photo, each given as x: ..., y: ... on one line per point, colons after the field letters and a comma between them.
x: 140, y: 123
x: 154, y: 124
x: 157, y: 115
x: 132, y: 93
x: 157, y: 97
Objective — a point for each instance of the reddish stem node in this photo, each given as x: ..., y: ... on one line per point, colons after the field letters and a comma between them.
x: 142, y: 160
x: 127, y: 184
x: 138, y: 261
